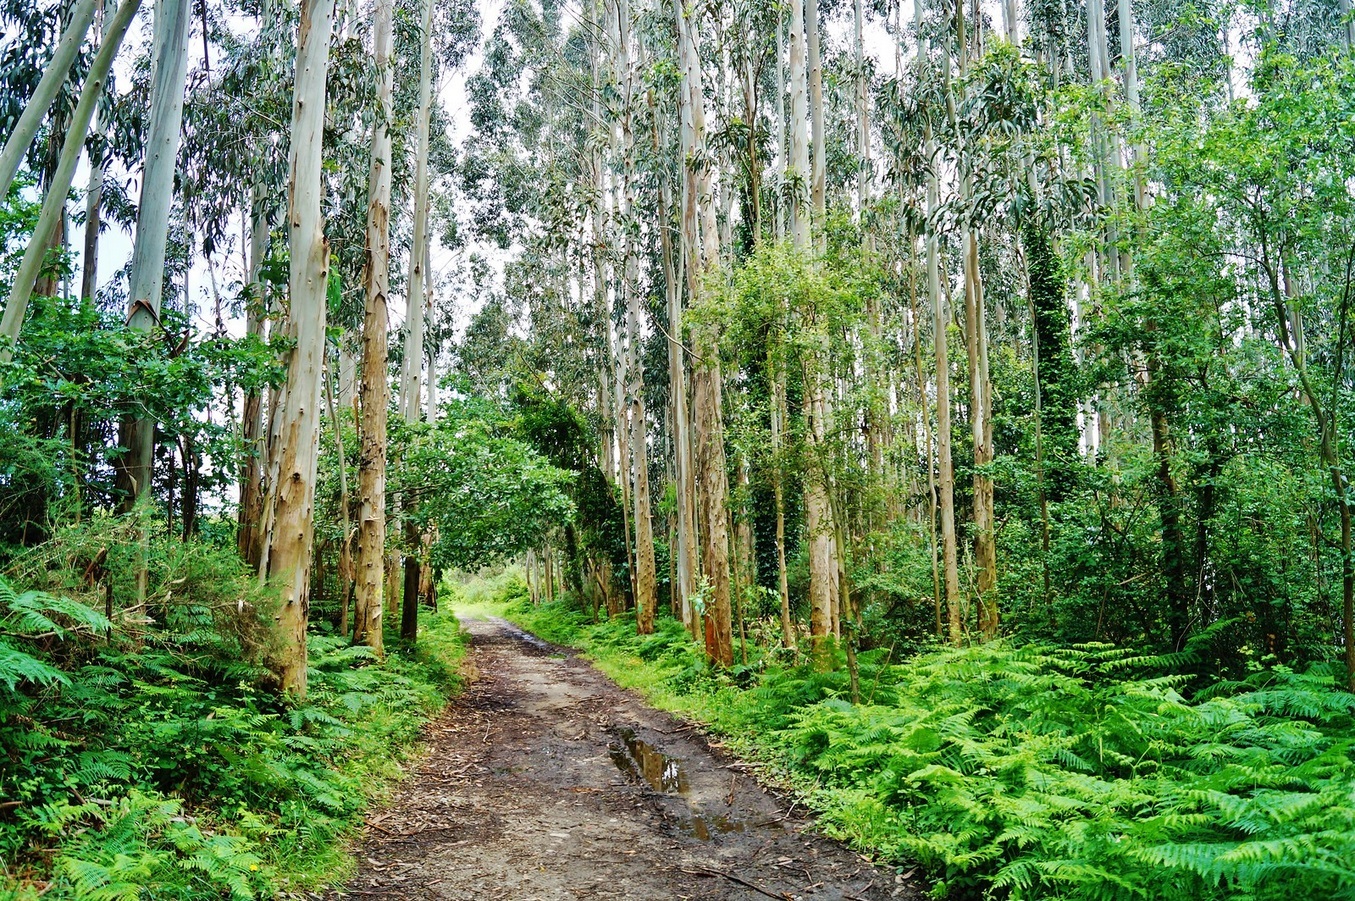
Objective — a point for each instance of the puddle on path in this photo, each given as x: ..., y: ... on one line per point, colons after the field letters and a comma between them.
x: 525, y: 637
x: 638, y: 760
x: 704, y: 827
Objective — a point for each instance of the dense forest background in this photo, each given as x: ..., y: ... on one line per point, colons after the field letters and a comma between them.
x: 835, y: 334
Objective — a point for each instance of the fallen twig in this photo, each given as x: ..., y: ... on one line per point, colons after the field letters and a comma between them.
x: 707, y: 871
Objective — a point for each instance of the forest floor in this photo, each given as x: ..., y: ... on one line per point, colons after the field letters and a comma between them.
x: 544, y: 780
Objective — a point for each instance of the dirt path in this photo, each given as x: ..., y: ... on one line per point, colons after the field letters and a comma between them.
x: 546, y: 781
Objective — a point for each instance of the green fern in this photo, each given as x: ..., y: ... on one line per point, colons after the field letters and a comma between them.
x: 18, y: 667
x: 34, y: 613
x: 1035, y: 772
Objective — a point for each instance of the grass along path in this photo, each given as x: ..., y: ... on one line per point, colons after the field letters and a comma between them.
x: 186, y: 785
x: 1082, y: 774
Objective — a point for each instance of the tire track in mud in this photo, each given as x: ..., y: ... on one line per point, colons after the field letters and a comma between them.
x: 544, y: 780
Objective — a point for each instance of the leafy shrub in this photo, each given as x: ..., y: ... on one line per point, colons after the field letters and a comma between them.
x: 1038, y: 772
x: 1065, y: 773
x: 149, y: 761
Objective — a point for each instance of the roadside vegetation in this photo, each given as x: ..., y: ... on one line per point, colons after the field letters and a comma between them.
x: 151, y: 758
x: 1026, y: 771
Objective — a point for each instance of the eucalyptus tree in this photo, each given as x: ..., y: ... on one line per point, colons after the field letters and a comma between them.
x: 412, y: 359
x: 701, y: 250
x: 294, y: 432
x: 797, y: 177
x: 818, y: 188
x: 806, y: 175
x: 624, y: 143
x: 54, y: 76
x: 253, y: 98
x: 374, y: 393
x: 54, y: 201
x: 931, y: 164
x: 146, y: 279
x: 976, y: 329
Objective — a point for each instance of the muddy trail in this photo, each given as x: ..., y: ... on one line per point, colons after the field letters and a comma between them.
x: 544, y: 780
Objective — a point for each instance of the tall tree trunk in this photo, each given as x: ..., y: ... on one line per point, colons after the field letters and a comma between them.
x: 369, y: 590
x: 621, y: 425
x: 1128, y: 58
x: 54, y: 201
x: 1099, y: 65
x: 251, y: 473
x: 945, y: 466
x: 798, y: 172
x: 778, y: 420
x: 430, y: 410
x: 89, y: 264
x: 703, y: 256
x: 412, y: 362
x: 823, y: 575
x: 192, y: 480
x: 646, y: 577
x: 877, y: 417
x: 980, y: 389
x: 294, y: 437
x: 258, y: 306
x: 345, y: 518
x: 929, y: 452
x: 684, y: 481
x: 981, y: 428
x: 146, y: 282
x: 1055, y: 389
x: 818, y: 518
x: 414, y: 325
x: 53, y: 77
x: 745, y: 541
x: 753, y: 188
x: 780, y: 123
x: 864, y: 169
x: 818, y: 187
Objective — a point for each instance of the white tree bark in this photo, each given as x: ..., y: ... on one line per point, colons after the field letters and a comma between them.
x: 864, y: 169
x: 368, y: 596
x: 818, y: 161
x: 646, y: 585
x: 294, y: 441
x: 89, y: 260
x: 53, y: 77
x: 147, y: 279
x: 780, y: 122
x: 703, y: 254
x: 412, y: 365
x: 54, y: 202
x: 798, y: 171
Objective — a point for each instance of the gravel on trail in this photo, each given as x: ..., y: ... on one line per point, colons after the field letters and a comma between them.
x: 544, y: 780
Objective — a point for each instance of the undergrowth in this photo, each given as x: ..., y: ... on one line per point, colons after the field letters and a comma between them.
x: 1031, y: 772
x: 150, y: 761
